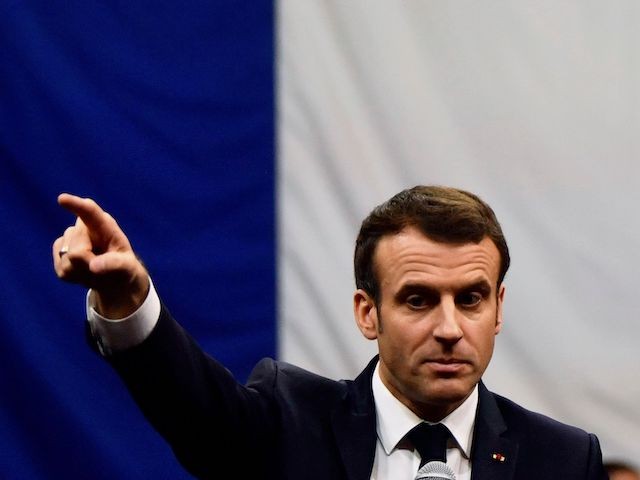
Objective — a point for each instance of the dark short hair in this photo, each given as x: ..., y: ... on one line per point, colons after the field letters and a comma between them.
x: 443, y: 214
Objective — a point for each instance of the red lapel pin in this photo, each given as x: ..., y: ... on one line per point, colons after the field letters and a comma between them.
x: 498, y: 457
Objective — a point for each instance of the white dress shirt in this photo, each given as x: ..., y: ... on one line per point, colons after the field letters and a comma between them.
x: 125, y: 332
x: 394, y: 458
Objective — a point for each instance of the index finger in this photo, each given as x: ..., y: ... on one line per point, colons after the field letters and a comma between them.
x: 94, y: 217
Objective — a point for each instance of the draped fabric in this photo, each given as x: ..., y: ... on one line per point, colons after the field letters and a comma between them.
x: 240, y: 144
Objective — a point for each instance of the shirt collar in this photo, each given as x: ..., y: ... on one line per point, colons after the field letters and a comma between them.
x: 394, y: 419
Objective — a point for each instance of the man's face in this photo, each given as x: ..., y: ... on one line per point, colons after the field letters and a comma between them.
x: 436, y: 320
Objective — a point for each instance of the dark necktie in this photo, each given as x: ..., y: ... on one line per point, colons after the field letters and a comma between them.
x: 430, y: 441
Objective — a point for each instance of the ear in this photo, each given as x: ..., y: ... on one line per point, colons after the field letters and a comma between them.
x: 366, y: 314
x: 500, y: 301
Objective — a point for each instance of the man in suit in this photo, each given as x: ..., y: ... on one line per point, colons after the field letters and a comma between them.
x: 429, y: 266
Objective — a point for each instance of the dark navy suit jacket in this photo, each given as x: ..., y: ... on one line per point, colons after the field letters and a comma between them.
x: 288, y: 423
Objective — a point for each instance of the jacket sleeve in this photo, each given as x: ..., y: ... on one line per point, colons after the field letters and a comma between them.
x: 194, y: 402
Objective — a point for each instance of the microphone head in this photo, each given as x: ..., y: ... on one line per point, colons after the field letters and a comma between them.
x: 435, y: 471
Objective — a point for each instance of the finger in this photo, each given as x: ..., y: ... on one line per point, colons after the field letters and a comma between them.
x: 55, y: 252
x: 101, y: 228
x: 60, y: 249
x: 76, y: 242
x: 72, y: 253
x: 92, y: 216
x: 71, y: 265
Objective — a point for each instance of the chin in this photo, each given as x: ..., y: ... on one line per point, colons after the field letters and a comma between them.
x: 449, y: 392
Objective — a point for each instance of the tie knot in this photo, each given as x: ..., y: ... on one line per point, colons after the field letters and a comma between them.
x: 430, y: 441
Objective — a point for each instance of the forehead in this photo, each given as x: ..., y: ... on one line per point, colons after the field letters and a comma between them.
x: 411, y: 256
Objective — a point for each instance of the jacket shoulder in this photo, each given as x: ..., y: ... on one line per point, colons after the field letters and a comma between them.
x: 516, y: 415
x: 270, y: 374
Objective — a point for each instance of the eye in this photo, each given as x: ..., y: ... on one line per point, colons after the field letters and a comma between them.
x: 416, y: 301
x: 470, y: 299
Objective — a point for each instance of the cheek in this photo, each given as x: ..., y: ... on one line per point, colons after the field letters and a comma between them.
x: 405, y: 349
x: 485, y: 343
x: 397, y: 344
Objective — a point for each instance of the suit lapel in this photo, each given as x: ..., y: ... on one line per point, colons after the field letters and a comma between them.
x: 494, y: 455
x: 354, y: 426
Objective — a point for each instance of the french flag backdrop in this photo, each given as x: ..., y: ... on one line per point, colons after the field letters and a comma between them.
x: 240, y: 144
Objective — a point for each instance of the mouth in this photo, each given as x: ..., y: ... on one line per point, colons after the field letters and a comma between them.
x: 447, y: 366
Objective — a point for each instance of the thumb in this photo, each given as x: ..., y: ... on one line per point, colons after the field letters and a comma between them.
x: 113, y: 262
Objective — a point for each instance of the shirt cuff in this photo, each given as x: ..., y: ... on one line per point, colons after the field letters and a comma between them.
x: 113, y: 335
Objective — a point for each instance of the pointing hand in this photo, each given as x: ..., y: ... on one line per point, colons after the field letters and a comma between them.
x: 96, y: 253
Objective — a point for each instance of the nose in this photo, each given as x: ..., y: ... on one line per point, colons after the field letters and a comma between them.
x: 447, y: 328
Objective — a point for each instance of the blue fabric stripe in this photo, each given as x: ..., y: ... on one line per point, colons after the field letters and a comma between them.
x: 164, y: 113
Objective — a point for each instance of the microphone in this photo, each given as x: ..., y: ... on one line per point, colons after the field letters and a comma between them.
x: 435, y: 471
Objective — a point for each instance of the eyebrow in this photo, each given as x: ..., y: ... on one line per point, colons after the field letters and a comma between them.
x: 482, y: 286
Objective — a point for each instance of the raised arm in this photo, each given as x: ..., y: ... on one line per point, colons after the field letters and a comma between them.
x: 97, y: 254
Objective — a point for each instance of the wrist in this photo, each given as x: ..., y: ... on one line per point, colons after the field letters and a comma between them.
x: 116, y: 305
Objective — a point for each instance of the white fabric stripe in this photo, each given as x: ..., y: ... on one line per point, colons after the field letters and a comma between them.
x: 532, y: 105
